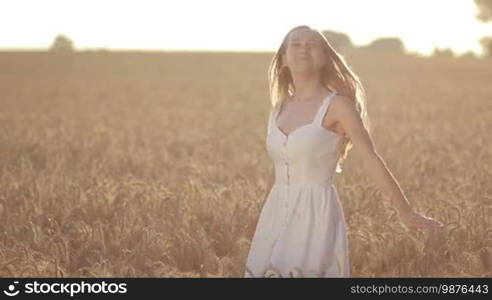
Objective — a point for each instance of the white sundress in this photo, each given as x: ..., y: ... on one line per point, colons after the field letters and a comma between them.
x: 301, y: 230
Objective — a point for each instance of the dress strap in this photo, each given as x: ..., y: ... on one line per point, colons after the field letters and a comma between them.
x: 324, y: 108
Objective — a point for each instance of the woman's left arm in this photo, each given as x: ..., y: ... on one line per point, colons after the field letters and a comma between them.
x: 345, y: 113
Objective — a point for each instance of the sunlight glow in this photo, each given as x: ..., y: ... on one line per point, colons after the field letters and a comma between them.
x: 252, y: 25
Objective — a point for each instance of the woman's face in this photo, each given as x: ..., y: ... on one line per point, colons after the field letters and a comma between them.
x: 304, y: 51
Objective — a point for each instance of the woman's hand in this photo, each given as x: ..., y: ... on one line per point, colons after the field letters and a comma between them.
x: 414, y: 221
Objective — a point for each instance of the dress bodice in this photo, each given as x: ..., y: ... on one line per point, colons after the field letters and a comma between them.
x: 306, y: 156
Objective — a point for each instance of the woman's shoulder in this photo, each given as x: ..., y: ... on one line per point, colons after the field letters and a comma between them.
x: 342, y: 100
x: 344, y: 108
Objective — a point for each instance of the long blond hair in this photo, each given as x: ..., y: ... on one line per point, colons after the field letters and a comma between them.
x: 336, y: 76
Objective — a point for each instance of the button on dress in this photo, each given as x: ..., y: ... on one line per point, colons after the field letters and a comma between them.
x: 301, y: 230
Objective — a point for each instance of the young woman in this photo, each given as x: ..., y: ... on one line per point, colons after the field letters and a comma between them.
x: 318, y: 114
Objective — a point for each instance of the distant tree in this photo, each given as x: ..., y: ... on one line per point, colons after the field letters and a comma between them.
x: 484, y: 10
x: 468, y: 54
x: 387, y: 44
x: 62, y: 44
x: 339, y: 40
x: 486, y: 43
x: 485, y: 15
x: 443, y: 53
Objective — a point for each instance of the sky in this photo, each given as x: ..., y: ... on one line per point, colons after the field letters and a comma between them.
x: 248, y: 25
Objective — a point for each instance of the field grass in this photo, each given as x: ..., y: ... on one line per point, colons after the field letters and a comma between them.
x: 128, y: 164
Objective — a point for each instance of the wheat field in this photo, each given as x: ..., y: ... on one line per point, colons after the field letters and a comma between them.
x: 154, y: 164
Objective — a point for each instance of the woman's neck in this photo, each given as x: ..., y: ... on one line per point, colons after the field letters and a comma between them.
x: 307, y: 87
